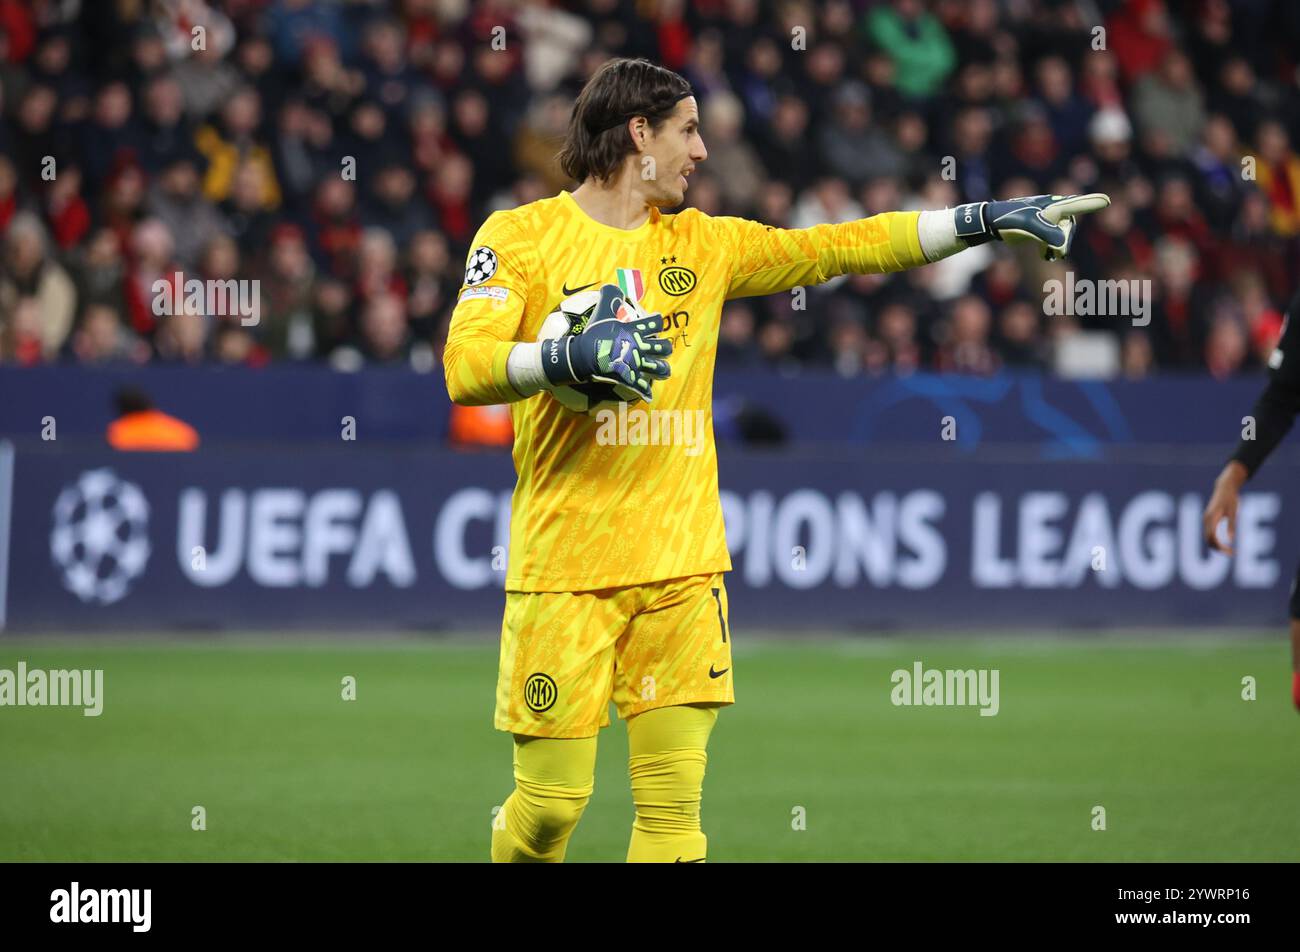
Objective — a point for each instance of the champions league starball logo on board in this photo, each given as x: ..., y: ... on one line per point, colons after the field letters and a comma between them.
x: 100, y: 536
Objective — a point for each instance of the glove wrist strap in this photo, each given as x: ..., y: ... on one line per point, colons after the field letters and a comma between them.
x: 971, y: 224
x: 557, y: 361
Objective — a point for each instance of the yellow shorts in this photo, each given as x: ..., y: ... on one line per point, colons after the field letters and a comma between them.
x: 566, y: 655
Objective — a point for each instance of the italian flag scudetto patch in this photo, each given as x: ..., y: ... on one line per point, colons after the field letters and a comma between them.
x: 630, y: 283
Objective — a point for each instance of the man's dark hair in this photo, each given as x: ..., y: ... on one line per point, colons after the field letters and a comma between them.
x: 598, y: 140
x: 131, y: 400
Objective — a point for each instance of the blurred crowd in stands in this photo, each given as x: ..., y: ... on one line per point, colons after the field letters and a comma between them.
x: 130, y: 153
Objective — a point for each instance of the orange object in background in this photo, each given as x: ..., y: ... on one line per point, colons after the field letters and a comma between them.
x: 152, y: 430
x: 141, y: 426
x: 481, y: 426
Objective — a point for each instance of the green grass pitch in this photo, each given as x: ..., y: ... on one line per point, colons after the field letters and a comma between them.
x: 254, y: 730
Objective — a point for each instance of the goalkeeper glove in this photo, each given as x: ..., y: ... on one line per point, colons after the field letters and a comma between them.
x: 617, y: 344
x: 1047, y: 219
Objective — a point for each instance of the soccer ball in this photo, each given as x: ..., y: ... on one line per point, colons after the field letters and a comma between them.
x: 570, y: 317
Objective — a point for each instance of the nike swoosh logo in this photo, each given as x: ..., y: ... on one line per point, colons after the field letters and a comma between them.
x: 680, y: 860
x: 717, y: 674
x: 566, y: 291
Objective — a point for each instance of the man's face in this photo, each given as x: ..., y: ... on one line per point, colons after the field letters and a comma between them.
x: 180, y: 180
x: 669, y: 155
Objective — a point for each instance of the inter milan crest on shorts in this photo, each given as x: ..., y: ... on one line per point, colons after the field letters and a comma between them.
x: 539, y: 693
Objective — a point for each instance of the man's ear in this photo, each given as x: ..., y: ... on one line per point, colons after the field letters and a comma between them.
x: 640, y: 130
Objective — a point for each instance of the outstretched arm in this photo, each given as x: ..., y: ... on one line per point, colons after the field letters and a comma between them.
x: 767, y: 259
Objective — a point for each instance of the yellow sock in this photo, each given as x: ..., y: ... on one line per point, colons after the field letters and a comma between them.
x: 554, y: 778
x: 666, y: 762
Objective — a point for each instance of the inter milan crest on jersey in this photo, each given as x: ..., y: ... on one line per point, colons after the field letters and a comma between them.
x: 677, y: 280
x: 481, y: 266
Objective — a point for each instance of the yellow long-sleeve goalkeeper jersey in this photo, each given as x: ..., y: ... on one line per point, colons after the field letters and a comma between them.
x: 636, y: 501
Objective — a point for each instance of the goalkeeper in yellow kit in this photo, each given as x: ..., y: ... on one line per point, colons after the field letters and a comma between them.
x: 614, y: 589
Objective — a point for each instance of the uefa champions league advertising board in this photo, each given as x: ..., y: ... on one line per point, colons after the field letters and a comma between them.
x: 318, y: 539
